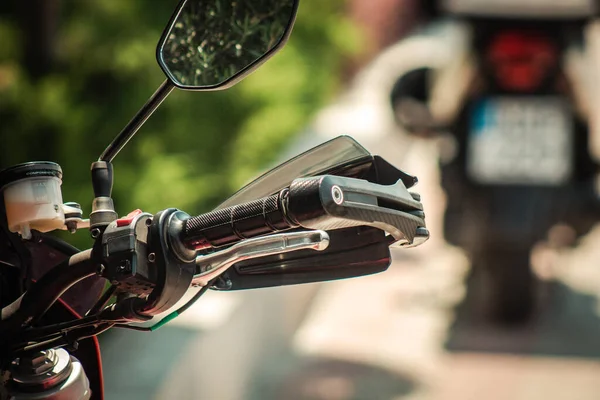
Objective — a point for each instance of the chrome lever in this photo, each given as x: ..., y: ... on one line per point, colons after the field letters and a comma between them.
x: 212, y: 265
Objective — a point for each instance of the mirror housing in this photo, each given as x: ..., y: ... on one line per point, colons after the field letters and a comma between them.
x: 409, y: 100
x: 213, y: 44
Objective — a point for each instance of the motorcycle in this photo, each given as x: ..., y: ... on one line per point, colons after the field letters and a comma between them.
x: 517, y: 159
x: 330, y: 213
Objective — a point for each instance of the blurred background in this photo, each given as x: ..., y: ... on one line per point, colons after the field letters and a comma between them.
x: 500, y: 303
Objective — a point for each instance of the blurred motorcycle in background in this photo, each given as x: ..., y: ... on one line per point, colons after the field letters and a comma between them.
x: 515, y: 156
x: 333, y: 212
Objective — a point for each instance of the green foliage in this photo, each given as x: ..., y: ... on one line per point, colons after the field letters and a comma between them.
x: 209, y: 43
x: 198, y: 147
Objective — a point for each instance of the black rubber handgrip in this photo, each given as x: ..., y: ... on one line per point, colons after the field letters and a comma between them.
x: 232, y: 224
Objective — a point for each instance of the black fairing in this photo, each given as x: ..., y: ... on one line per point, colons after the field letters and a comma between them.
x: 373, y: 169
x: 341, y: 156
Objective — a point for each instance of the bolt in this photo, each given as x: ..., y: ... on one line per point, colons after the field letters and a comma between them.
x: 338, y: 195
x: 148, y: 221
x: 71, y: 226
x: 56, y: 207
x: 151, y: 257
x: 95, y: 233
x: 73, y: 204
x: 223, y: 283
x: 124, y: 266
x: 73, y: 346
x: 205, y: 268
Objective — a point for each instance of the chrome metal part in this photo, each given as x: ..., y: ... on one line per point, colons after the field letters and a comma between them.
x: 51, y: 374
x: 74, y: 217
x: 212, y: 265
x: 337, y: 194
x: 103, y: 212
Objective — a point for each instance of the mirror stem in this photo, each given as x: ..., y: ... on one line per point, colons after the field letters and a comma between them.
x: 137, y: 121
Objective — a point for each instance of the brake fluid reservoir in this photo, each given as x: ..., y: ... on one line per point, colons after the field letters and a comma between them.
x: 32, y: 197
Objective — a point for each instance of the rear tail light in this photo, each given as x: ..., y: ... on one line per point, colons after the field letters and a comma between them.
x: 521, y: 60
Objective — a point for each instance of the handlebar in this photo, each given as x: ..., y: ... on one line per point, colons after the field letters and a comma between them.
x: 155, y: 257
x: 243, y: 221
x: 323, y: 202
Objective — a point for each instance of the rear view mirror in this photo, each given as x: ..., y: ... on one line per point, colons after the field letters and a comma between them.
x: 409, y: 99
x: 208, y: 45
x: 212, y: 44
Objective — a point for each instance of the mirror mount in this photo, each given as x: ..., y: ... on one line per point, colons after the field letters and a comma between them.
x: 103, y: 211
x: 137, y: 121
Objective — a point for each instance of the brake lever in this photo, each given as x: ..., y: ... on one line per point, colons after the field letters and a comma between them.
x: 212, y: 265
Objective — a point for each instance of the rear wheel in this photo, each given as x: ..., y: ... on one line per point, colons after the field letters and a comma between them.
x: 510, y: 284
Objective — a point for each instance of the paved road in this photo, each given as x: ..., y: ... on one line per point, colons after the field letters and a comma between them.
x: 208, y: 353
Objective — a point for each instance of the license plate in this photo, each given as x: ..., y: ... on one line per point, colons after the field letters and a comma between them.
x: 520, y: 140
x: 522, y: 8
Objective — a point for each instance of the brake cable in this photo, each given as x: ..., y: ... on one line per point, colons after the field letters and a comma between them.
x: 44, y: 293
x: 170, y: 316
